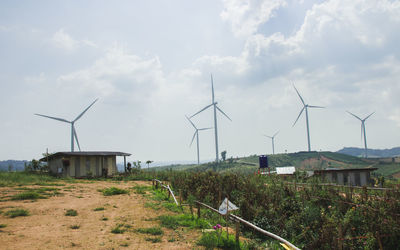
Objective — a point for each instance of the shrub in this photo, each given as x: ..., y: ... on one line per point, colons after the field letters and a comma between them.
x: 151, y: 230
x: 113, y: 191
x: 3, y: 225
x: 16, y: 213
x: 71, y: 212
x: 75, y: 227
x: 117, y: 230
x: 99, y: 209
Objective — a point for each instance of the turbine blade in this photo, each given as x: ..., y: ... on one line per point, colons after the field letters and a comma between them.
x: 275, y: 134
x: 299, y: 115
x: 301, y: 98
x: 268, y: 136
x: 79, y: 116
x: 205, y: 128
x: 368, y: 116
x: 191, y: 122
x: 354, y: 115
x: 193, y: 138
x: 76, y: 138
x: 55, y: 118
x: 223, y: 113
x: 310, y: 106
x: 202, y: 109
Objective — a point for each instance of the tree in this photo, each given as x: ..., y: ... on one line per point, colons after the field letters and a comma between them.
x: 223, y: 155
x: 148, y: 163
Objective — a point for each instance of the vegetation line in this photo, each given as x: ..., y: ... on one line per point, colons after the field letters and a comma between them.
x: 274, y: 236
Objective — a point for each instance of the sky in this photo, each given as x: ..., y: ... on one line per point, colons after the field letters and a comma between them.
x: 150, y: 62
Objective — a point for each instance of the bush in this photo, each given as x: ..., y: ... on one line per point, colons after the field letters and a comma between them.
x: 71, y: 212
x: 16, y: 213
x: 99, y: 209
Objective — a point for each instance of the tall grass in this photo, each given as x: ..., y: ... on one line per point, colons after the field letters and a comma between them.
x: 24, y: 178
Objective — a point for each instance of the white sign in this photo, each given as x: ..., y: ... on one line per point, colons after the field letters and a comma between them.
x: 226, y: 204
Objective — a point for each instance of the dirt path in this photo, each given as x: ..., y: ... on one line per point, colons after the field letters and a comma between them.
x: 47, y: 227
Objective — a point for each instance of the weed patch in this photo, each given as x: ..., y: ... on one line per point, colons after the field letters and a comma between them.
x: 152, y: 205
x: 141, y: 189
x: 28, y: 195
x: 71, y: 212
x: 3, y: 225
x: 75, y: 227
x: 151, y: 230
x: 16, y: 213
x: 113, y: 191
x: 183, y: 220
x: 154, y: 240
x: 99, y: 209
x: 172, y: 207
x: 219, y: 240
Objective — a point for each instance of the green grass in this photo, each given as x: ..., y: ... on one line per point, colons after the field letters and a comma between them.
x: 28, y: 195
x: 151, y: 230
x: 152, y: 205
x: 118, y: 230
x: 3, y: 225
x: 104, y: 218
x: 141, y: 189
x: 24, y: 178
x: 113, y: 191
x: 75, y: 227
x: 99, y: 209
x: 71, y: 212
x: 154, y: 240
x: 213, y: 240
x: 16, y: 213
x: 172, y: 207
x: 183, y: 220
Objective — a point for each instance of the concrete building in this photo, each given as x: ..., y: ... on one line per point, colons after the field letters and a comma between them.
x: 84, y: 163
x: 350, y: 176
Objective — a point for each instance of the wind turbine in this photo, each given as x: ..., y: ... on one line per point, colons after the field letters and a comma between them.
x: 363, y: 130
x: 196, y: 134
x: 305, y: 107
x: 214, y: 104
x: 272, y: 138
x: 73, y: 131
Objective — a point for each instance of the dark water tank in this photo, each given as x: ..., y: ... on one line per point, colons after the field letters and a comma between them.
x: 263, y: 159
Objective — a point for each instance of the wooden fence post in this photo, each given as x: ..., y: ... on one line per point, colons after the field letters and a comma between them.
x: 198, y: 211
x: 237, y: 231
x: 180, y: 197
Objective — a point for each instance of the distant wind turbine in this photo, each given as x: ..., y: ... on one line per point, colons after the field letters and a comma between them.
x: 272, y: 138
x: 363, y: 130
x: 214, y: 104
x: 73, y: 131
x: 196, y: 134
x: 305, y: 107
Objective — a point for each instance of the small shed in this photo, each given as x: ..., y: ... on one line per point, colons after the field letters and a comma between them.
x: 349, y: 176
x: 83, y: 163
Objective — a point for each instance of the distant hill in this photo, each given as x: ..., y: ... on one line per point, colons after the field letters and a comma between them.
x: 301, y: 160
x: 376, y: 153
x: 15, y: 165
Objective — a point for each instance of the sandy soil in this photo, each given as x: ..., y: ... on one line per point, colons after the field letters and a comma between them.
x: 47, y: 227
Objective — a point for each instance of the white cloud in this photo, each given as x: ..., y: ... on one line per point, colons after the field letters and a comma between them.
x: 246, y: 16
x: 63, y: 40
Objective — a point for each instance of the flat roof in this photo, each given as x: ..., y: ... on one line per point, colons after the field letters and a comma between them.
x: 344, y: 170
x: 85, y: 153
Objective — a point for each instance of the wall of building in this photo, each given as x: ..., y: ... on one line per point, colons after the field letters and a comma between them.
x: 80, y: 166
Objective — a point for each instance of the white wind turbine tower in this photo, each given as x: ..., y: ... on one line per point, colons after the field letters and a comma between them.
x: 305, y: 107
x: 214, y: 104
x: 363, y: 130
x: 196, y: 134
x: 73, y: 131
x: 272, y: 138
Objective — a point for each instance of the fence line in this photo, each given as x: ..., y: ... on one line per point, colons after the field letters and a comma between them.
x: 233, y: 217
x: 236, y: 218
